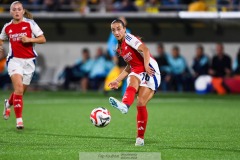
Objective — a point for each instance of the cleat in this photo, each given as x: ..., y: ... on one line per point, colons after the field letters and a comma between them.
x: 6, y: 110
x: 20, y: 125
x: 139, y: 142
x: 118, y: 105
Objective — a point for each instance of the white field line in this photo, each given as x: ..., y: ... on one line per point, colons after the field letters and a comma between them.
x: 100, y: 100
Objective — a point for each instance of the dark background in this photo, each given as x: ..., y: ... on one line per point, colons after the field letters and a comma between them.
x: 92, y: 29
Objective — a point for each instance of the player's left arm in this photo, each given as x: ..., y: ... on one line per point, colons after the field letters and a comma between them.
x: 142, y: 48
x: 114, y: 84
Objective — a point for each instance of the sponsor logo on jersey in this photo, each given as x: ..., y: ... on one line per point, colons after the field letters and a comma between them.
x: 128, y: 57
x: 23, y: 28
x: 17, y: 36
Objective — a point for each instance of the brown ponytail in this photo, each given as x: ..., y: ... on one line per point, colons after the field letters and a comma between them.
x: 28, y: 14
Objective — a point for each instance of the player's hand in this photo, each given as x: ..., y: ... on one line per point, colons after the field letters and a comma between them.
x: 150, y: 71
x: 114, y: 84
x: 25, y: 39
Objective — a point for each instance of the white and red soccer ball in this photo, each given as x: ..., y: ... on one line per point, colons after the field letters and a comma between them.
x: 100, y: 117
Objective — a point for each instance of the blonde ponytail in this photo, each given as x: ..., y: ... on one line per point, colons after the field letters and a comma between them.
x: 28, y: 14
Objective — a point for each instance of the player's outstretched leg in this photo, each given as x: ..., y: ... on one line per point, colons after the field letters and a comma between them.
x: 118, y: 105
x: 6, y: 110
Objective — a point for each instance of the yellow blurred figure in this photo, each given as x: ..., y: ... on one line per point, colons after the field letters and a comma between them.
x: 198, y: 5
x: 139, y: 3
x: 212, y: 5
x: 152, y: 6
x: 112, y: 76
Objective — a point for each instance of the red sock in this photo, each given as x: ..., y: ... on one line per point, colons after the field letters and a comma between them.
x: 18, y: 105
x: 10, y: 100
x: 129, y: 96
x: 142, y: 118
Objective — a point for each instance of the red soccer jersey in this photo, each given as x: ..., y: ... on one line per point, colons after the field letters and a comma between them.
x: 13, y: 32
x: 130, y: 54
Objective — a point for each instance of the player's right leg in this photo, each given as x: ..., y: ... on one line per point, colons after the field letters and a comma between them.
x: 144, y: 95
x: 6, y: 107
x: 139, y: 142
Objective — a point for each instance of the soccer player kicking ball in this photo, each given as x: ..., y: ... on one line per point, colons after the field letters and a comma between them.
x: 143, y: 76
x: 22, y: 32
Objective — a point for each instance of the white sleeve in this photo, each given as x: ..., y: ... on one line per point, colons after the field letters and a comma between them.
x: 36, y: 30
x: 3, y: 35
x: 132, y: 41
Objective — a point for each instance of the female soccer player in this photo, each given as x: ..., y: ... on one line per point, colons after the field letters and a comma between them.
x: 22, y: 33
x: 143, y: 76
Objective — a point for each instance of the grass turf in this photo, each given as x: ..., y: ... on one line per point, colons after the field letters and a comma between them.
x: 180, y: 126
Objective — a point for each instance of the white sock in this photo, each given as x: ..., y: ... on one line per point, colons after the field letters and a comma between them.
x: 19, y: 120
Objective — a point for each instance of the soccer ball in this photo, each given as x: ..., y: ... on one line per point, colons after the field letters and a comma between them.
x: 100, y: 117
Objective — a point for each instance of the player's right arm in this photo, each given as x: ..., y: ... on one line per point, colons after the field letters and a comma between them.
x: 114, y: 84
x: 3, y: 36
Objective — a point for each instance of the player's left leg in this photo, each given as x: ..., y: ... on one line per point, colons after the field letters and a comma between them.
x: 8, y: 103
x: 144, y: 95
x: 18, y: 98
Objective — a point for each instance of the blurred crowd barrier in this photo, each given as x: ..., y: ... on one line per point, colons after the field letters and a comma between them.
x: 102, y: 6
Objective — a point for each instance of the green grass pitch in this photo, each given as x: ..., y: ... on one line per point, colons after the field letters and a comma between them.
x: 180, y: 126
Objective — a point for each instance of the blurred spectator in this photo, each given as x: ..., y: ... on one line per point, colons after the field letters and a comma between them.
x: 180, y: 76
x: 198, y: 5
x: 228, y: 5
x: 236, y: 65
x: 100, y: 69
x: 41, y: 68
x: 127, y: 6
x: 162, y: 60
x: 140, y: 4
x: 170, y: 5
x: 221, y: 63
x: 78, y: 72
x: 5, y: 2
x: 4, y: 77
x: 34, y: 5
x: 200, y: 62
x: 224, y: 5
x: 64, y: 6
x: 152, y: 6
x: 212, y: 5
x: 50, y: 5
x: 94, y: 5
